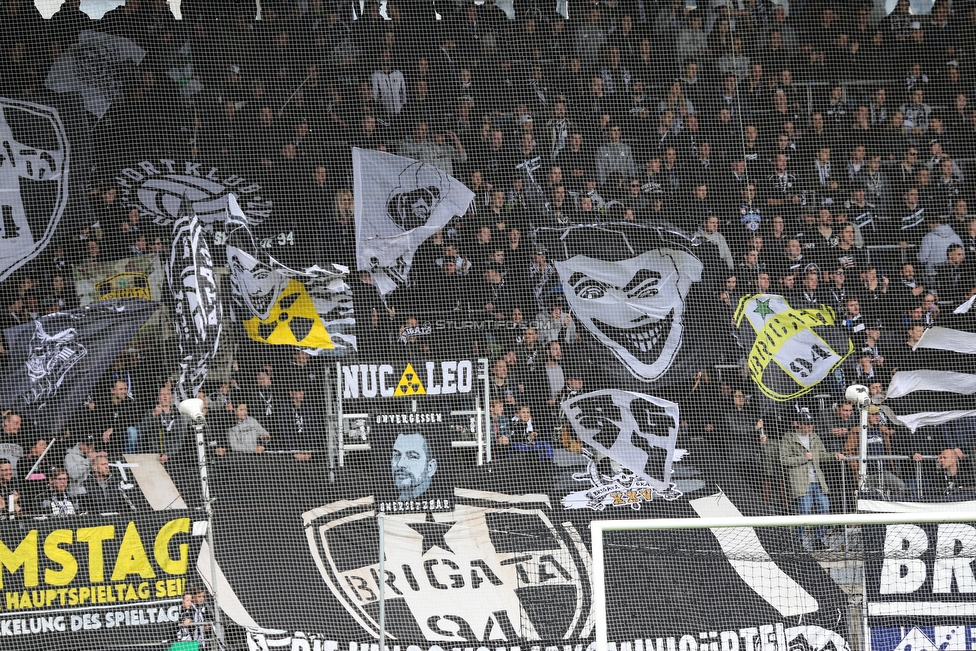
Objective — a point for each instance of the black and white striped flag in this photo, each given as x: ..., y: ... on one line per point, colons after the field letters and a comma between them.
x: 937, y: 382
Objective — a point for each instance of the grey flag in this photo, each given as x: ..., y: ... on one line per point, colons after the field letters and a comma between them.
x: 636, y: 430
x: 400, y: 203
x: 57, y: 359
x: 96, y: 67
x: 34, y: 156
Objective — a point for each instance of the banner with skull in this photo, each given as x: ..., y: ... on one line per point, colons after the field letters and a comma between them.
x: 400, y: 203
x: 637, y: 431
x: 641, y: 294
x: 311, y: 309
x: 198, y: 311
x: 57, y: 359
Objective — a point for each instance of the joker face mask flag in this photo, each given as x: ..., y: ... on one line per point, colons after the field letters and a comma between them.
x: 634, y: 307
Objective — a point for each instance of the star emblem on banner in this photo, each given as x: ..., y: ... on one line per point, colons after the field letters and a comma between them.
x: 763, y: 309
x: 433, y: 533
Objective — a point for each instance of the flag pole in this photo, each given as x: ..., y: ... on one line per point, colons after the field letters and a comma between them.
x: 305, y: 81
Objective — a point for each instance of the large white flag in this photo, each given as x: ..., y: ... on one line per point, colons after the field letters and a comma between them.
x: 400, y: 202
x: 96, y: 66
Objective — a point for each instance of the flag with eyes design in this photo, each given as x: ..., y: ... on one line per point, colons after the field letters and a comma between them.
x: 640, y: 293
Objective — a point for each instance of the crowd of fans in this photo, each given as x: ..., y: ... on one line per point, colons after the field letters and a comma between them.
x: 822, y: 151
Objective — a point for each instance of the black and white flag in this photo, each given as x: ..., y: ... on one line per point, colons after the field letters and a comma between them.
x: 311, y: 308
x: 400, y: 203
x: 34, y: 156
x: 636, y: 430
x: 935, y: 383
x: 57, y: 359
x: 96, y: 66
x: 198, y: 312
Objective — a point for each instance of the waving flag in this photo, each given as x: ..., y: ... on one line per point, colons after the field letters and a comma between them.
x: 791, y: 350
x: 310, y: 309
x: 198, y: 312
x: 400, y: 203
x: 96, y: 66
x: 935, y: 383
x: 57, y: 359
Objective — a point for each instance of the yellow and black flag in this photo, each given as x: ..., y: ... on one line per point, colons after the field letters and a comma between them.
x: 279, y: 306
x: 790, y: 351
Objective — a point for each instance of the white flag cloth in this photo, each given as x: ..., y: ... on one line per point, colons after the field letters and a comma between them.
x: 95, y: 67
x: 400, y: 202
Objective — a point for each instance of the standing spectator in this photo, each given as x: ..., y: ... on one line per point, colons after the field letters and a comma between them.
x: 615, y: 159
x: 803, y: 457
x: 77, y: 463
x: 389, y: 88
x: 163, y: 430
x: 102, y: 492
x: 298, y: 426
x: 934, y: 247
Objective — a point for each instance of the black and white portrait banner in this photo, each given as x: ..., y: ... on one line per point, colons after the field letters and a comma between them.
x: 198, y: 312
x: 400, y: 203
x: 637, y: 431
x: 96, y: 67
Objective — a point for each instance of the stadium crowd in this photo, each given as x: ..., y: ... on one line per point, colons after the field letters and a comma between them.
x: 822, y: 150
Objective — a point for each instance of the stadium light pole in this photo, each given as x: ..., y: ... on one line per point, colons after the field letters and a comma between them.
x: 193, y: 408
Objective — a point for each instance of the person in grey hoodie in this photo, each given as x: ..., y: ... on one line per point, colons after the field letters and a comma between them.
x: 935, y: 244
x: 78, y: 464
x: 247, y: 434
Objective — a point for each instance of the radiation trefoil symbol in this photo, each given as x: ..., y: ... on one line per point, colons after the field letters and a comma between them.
x: 409, y: 384
x: 293, y: 321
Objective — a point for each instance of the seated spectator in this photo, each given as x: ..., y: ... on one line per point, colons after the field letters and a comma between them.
x: 56, y: 501
x: 247, y: 434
